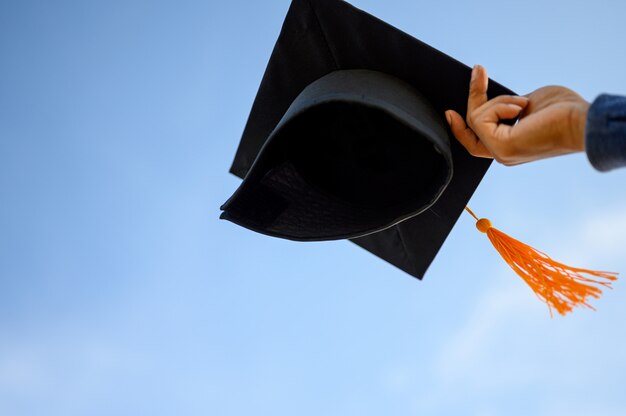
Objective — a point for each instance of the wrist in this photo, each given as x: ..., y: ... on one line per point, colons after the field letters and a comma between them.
x: 578, y: 123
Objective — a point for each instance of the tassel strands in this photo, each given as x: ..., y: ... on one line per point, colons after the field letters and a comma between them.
x: 560, y: 286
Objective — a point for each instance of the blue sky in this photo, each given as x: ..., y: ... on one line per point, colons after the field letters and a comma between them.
x: 121, y: 293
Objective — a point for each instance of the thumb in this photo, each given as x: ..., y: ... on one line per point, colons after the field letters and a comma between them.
x: 466, y: 136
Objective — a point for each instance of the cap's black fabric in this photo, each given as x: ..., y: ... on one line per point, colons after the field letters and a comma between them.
x: 334, y: 149
x: 356, y: 152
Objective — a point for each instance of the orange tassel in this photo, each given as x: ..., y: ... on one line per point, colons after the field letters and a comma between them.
x: 560, y: 286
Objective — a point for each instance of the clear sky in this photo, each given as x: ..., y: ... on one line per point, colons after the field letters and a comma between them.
x: 121, y: 293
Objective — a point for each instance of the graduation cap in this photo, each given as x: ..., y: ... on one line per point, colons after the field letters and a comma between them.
x: 347, y: 140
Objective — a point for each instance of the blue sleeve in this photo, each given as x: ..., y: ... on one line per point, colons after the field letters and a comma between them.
x: 605, y: 132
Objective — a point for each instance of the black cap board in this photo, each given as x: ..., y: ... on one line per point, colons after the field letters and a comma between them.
x: 347, y: 138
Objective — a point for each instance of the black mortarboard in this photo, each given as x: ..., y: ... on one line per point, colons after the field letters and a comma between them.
x: 347, y: 138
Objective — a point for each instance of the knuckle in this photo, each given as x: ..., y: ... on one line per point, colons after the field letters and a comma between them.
x: 476, y: 93
x: 504, y: 155
x: 500, y: 159
x: 475, y: 122
x: 472, y: 120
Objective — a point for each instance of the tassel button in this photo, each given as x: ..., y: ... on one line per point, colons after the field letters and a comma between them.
x: 483, y: 225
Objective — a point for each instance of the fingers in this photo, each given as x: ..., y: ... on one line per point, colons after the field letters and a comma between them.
x: 498, y: 111
x: 509, y: 99
x: 466, y: 136
x: 478, y: 89
x: 481, y: 131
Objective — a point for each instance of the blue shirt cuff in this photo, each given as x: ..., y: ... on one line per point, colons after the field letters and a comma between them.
x: 605, y: 132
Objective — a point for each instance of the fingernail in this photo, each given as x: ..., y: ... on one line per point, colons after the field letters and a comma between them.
x: 448, y: 117
x: 474, y: 70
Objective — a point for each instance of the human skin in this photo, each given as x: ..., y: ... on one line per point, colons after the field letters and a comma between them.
x: 551, y: 123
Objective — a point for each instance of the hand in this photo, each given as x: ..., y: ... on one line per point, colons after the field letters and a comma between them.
x: 551, y: 123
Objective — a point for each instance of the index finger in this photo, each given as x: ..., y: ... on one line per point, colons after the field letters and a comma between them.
x: 478, y: 88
